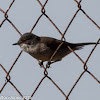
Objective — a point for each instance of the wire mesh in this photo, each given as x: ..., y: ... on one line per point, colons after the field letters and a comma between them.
x: 43, y: 13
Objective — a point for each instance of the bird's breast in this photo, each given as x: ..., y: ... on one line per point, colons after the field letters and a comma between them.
x: 39, y: 51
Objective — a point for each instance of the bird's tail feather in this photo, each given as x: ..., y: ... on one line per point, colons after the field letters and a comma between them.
x: 81, y: 45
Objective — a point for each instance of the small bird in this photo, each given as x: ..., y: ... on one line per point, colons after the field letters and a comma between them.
x: 42, y: 48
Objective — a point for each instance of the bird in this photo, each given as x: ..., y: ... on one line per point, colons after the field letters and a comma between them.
x: 42, y: 48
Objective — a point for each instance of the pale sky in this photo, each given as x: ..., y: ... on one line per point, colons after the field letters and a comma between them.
x: 26, y: 73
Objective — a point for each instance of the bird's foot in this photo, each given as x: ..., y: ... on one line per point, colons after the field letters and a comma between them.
x: 48, y: 64
x: 40, y: 63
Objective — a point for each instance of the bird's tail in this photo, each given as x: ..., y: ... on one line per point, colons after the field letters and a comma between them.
x: 80, y: 45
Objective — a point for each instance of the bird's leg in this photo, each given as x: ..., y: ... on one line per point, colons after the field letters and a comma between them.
x: 40, y: 62
x: 49, y: 63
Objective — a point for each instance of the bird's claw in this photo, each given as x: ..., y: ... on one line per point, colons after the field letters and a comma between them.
x: 48, y: 64
x: 40, y: 63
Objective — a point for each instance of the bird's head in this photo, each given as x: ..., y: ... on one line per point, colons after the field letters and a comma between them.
x: 28, y: 39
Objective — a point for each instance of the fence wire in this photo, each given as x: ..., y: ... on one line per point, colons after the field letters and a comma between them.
x: 43, y: 13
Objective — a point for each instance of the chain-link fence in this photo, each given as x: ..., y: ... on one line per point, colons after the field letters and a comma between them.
x: 44, y: 13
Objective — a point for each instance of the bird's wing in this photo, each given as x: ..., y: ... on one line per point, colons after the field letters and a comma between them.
x: 52, y: 43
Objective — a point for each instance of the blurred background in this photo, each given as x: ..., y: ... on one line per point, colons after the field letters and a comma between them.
x: 27, y: 73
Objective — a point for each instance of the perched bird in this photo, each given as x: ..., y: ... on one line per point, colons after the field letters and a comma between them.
x: 42, y: 48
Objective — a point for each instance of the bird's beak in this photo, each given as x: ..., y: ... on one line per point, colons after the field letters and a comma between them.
x: 16, y: 44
